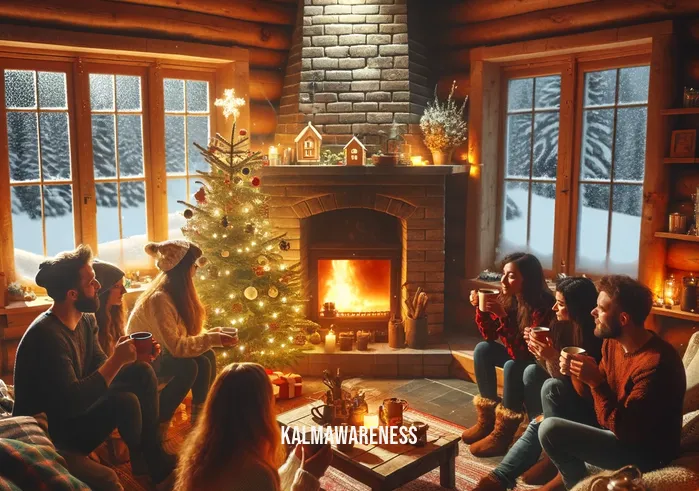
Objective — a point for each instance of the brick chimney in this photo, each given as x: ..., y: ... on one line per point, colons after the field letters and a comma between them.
x: 356, y: 67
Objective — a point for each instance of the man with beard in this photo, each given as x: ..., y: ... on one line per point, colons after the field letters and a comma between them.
x: 61, y: 370
x: 634, y: 415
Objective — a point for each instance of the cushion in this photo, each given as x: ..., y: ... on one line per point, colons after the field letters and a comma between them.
x: 690, y: 360
x: 26, y: 429
x: 690, y: 432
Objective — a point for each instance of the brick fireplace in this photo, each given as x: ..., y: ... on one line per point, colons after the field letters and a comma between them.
x: 391, y: 225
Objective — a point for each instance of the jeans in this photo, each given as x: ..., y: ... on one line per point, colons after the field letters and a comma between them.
x: 487, y: 356
x: 196, y: 373
x: 534, y: 377
x: 92, y: 473
x: 572, y: 437
x: 522, y: 455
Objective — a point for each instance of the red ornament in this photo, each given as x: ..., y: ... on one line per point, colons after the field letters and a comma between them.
x: 227, y: 182
x: 200, y: 196
x: 255, y: 181
x: 236, y: 308
x: 243, y: 132
x: 273, y: 325
x: 259, y: 270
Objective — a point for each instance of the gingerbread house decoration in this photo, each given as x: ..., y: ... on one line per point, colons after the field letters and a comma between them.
x: 308, y: 144
x: 355, y: 152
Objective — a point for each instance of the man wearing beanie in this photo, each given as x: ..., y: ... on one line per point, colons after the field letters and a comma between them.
x: 61, y: 370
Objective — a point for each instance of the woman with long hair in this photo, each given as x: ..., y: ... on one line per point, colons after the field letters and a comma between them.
x: 525, y: 301
x: 111, y: 315
x: 171, y: 310
x: 236, y: 444
x: 576, y: 297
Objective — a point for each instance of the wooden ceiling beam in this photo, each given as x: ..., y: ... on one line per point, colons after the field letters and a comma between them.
x: 248, y: 10
x: 267, y: 58
x: 115, y: 17
x: 565, y: 20
x: 483, y: 10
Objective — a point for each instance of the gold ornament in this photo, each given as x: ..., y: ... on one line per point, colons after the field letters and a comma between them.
x: 315, y: 338
x: 273, y: 292
x: 225, y: 253
x: 250, y: 293
x: 262, y: 261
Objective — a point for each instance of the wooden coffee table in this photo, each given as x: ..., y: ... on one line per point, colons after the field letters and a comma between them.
x: 388, y: 467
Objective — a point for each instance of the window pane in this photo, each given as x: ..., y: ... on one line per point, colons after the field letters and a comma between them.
x: 593, y: 220
x: 176, y: 190
x: 55, y: 146
x: 58, y: 210
x: 545, y: 145
x: 548, y: 92
x: 103, y: 145
x: 633, y: 85
x: 600, y: 88
x: 174, y: 144
x: 197, y: 131
x: 630, y: 145
x: 20, y: 89
x: 626, y: 229
x: 518, y: 151
x: 22, y: 142
x: 52, y: 90
x: 128, y: 92
x: 519, y: 94
x: 515, y: 218
x: 598, y: 126
x: 26, y: 220
x: 101, y: 92
x: 197, y: 96
x: 543, y: 211
x: 130, y: 134
x: 174, y: 95
x: 107, y: 214
x: 133, y: 222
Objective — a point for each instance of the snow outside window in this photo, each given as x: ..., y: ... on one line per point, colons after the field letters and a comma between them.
x: 186, y: 122
x: 41, y: 181
x: 611, y: 175
x: 531, y: 159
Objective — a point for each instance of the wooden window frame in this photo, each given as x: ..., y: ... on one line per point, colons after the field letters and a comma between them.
x: 654, y: 41
x: 80, y: 54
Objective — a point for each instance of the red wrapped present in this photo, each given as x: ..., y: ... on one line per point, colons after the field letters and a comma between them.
x: 286, y: 385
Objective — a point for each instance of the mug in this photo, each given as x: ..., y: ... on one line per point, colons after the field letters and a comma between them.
x: 421, y: 433
x: 325, y: 413
x: 484, y: 295
x: 391, y: 411
x: 571, y: 350
x: 143, y: 341
x: 540, y: 333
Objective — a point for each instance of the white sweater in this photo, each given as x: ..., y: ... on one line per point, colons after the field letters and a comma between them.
x: 159, y: 316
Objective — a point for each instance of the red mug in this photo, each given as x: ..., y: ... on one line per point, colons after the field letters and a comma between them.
x: 144, y: 345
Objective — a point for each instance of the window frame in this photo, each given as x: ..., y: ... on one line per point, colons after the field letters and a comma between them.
x: 82, y: 54
x: 572, y: 68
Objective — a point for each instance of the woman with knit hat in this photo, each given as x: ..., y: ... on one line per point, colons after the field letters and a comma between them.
x: 171, y: 310
x: 111, y: 315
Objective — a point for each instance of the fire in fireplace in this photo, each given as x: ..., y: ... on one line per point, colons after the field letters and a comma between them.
x: 354, y: 287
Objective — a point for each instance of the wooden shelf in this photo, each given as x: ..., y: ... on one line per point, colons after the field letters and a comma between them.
x: 676, y: 313
x: 685, y: 237
x: 680, y: 160
x: 679, y: 111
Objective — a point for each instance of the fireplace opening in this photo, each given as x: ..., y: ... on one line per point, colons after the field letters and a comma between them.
x: 353, y: 259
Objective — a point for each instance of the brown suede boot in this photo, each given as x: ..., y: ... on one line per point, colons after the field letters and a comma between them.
x: 540, y: 473
x: 489, y: 483
x: 520, y: 430
x: 486, y: 420
x: 496, y: 444
x: 555, y: 484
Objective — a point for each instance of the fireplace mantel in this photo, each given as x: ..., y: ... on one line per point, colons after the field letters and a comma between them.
x: 362, y: 170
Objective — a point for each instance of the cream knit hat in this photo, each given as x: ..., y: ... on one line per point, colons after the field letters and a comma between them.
x: 169, y: 253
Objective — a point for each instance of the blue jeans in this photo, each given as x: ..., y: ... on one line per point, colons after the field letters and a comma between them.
x: 487, y: 356
x: 522, y: 455
x: 572, y: 437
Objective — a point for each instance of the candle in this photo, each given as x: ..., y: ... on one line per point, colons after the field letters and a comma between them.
x: 416, y: 160
x: 371, y: 420
x: 669, y: 292
x: 330, y: 342
x: 273, y: 156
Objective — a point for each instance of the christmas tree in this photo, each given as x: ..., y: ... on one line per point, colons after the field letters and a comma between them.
x: 246, y: 284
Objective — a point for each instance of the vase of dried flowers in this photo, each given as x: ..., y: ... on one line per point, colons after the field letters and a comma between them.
x: 444, y: 127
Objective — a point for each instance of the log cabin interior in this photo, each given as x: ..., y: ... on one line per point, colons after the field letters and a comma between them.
x: 580, y: 149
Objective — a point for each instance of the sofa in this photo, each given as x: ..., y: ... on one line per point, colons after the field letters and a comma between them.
x: 683, y: 473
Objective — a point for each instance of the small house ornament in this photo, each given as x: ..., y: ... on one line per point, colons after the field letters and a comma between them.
x: 308, y: 144
x: 355, y: 152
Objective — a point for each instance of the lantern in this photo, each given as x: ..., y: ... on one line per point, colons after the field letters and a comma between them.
x: 670, y: 292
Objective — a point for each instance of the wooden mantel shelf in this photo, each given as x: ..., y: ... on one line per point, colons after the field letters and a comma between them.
x: 676, y: 313
x: 685, y: 237
x: 679, y: 111
x: 362, y: 170
x: 38, y: 305
x: 680, y: 160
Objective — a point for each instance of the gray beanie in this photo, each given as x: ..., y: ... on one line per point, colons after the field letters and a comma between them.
x: 107, y: 274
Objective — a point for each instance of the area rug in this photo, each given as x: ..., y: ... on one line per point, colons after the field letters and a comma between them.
x: 469, y: 469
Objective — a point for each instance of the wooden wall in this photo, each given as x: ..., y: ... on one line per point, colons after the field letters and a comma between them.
x: 262, y: 26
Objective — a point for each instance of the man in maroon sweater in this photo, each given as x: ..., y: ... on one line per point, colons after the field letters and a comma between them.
x: 634, y: 415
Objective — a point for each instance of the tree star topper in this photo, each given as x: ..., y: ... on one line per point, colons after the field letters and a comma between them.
x: 230, y: 103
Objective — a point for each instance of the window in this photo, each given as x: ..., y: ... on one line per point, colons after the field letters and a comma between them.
x: 603, y: 169
x: 41, y: 177
x: 187, y: 117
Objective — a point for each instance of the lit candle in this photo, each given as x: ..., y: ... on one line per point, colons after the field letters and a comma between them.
x: 669, y: 293
x: 273, y: 156
x: 371, y: 420
x: 416, y: 160
x: 330, y: 342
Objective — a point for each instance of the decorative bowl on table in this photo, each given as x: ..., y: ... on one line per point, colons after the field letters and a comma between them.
x: 386, y: 160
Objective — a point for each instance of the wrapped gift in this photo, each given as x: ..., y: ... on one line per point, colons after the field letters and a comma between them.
x: 286, y: 385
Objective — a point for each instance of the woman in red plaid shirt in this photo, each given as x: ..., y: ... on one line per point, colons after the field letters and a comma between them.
x: 525, y: 301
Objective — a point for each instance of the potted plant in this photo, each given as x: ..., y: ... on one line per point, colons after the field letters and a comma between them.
x: 443, y: 127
